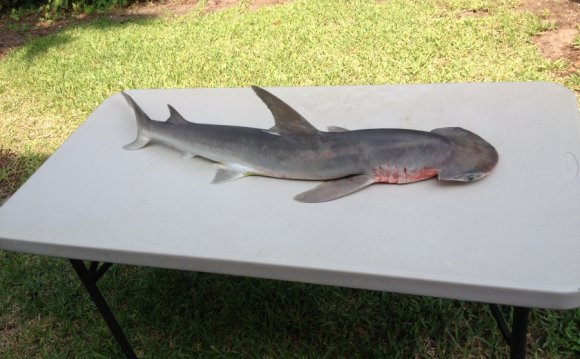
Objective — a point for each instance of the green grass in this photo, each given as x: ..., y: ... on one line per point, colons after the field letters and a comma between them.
x: 51, y: 84
x: 175, y: 314
x: 48, y: 86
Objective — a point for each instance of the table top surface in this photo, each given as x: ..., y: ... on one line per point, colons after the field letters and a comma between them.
x: 511, y: 238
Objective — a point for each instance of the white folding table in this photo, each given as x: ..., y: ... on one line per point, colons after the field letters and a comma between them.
x: 511, y: 238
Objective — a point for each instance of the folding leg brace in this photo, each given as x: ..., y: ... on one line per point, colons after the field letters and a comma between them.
x: 89, y: 277
x: 517, y: 337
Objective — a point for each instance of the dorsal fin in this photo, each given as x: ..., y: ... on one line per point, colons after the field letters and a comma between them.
x: 175, y: 117
x: 288, y: 121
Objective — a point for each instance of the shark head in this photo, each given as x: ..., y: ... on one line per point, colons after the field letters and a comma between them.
x: 473, y: 158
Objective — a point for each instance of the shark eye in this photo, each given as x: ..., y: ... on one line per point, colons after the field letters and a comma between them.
x: 470, y: 177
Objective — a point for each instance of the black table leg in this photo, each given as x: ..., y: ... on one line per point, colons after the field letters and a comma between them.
x: 519, y: 332
x: 89, y: 277
x: 517, y: 337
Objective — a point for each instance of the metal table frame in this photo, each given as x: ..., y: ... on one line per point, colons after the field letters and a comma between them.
x: 516, y: 337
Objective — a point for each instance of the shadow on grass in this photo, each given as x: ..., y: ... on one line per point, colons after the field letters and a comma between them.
x: 179, y: 314
x: 202, y: 313
x: 15, y: 169
x: 54, y: 36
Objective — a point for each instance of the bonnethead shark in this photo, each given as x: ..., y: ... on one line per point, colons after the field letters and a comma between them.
x: 346, y: 161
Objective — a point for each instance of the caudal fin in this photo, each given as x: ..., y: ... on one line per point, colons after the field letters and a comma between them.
x: 143, y: 122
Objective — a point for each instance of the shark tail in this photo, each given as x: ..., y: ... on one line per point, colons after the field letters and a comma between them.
x: 143, y: 123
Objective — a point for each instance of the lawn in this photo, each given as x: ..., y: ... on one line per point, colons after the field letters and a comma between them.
x: 49, y: 86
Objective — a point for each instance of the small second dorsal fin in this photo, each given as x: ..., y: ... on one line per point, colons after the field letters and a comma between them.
x: 288, y: 121
x: 175, y: 117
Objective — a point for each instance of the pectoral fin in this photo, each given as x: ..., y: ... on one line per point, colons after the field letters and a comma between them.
x: 330, y: 190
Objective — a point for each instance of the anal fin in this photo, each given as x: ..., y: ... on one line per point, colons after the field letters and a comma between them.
x: 334, y: 189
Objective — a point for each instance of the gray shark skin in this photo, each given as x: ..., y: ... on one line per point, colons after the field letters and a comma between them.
x: 346, y: 161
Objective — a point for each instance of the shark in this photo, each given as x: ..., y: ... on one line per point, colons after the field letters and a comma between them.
x: 346, y: 161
